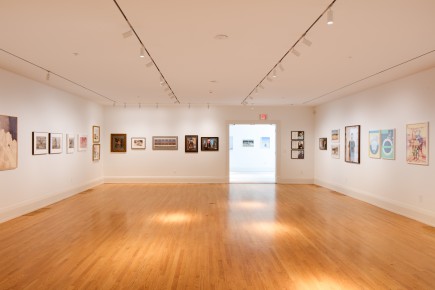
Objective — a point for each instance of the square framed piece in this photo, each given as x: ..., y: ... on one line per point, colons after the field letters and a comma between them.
x: 8, y: 142
x: 165, y: 143
x: 298, y: 135
x: 191, y: 143
x: 96, y: 134
x: 138, y: 143
x: 82, y: 141
x: 298, y: 144
x: 96, y: 152
x: 335, y: 136
x: 352, y: 143
x: 375, y: 144
x: 417, y: 143
x: 70, y: 143
x: 209, y: 143
x: 335, y: 150
x: 297, y: 154
x: 39, y: 143
x: 55, y: 143
x: 323, y: 143
x: 118, y: 143
x: 388, y: 144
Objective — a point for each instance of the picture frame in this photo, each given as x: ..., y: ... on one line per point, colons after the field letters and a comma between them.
x: 82, y: 142
x: 55, y: 143
x: 298, y: 154
x: 118, y: 143
x: 40, y: 143
x: 298, y: 144
x: 96, y: 134
x: 70, y: 143
x: 138, y: 143
x: 323, y: 143
x: 191, y: 143
x: 417, y: 143
x: 265, y: 143
x: 335, y: 150
x: 165, y: 142
x: 335, y: 136
x: 248, y: 143
x: 298, y: 135
x: 375, y: 144
x: 388, y: 144
x: 8, y: 142
x: 96, y: 149
x: 209, y: 143
x: 352, y: 144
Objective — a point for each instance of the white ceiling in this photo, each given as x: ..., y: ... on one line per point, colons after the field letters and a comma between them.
x: 367, y: 37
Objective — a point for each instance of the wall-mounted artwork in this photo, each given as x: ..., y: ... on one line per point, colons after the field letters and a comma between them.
x: 70, y: 143
x: 323, y: 143
x: 165, y: 143
x: 138, y: 143
x: 248, y: 143
x: 209, y: 143
x: 335, y: 136
x: 55, y: 143
x: 298, y: 135
x: 335, y: 150
x: 191, y: 143
x: 265, y: 143
x: 352, y: 143
x: 118, y: 143
x: 417, y: 143
x: 82, y: 141
x: 231, y: 142
x: 39, y: 143
x: 375, y: 144
x: 297, y: 154
x: 96, y: 152
x: 8, y: 142
x: 298, y: 144
x: 96, y: 134
x: 388, y: 144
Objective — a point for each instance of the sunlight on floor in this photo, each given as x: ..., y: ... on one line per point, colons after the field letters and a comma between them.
x: 252, y: 177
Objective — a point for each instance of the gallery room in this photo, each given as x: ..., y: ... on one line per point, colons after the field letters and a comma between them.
x: 217, y: 144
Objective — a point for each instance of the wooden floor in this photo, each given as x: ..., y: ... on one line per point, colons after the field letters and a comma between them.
x: 215, y: 236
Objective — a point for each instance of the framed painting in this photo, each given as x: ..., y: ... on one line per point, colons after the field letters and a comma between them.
x: 55, y: 143
x: 352, y: 143
x: 323, y: 143
x: 8, y: 142
x: 191, y: 143
x: 82, y: 142
x: 335, y: 136
x: 209, y: 143
x: 118, y: 143
x: 388, y: 144
x: 297, y: 154
x: 417, y: 143
x: 39, y: 143
x: 375, y: 144
x: 165, y: 143
x: 298, y: 135
x: 70, y: 143
x: 298, y: 144
x: 96, y: 134
x: 248, y: 143
x: 335, y: 150
x: 265, y: 143
x: 138, y: 143
x: 96, y: 152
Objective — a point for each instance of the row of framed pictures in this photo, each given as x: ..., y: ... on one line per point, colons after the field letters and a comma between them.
x: 297, y: 144
x: 118, y: 143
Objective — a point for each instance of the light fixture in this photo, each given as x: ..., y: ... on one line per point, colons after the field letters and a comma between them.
x: 330, y: 17
x: 142, y: 52
x: 295, y: 52
x: 306, y: 41
x: 166, y: 89
x: 269, y: 78
x: 162, y: 81
x: 274, y: 73
x: 281, y: 67
x: 47, y: 77
x: 150, y: 63
x: 251, y: 97
x: 221, y: 36
x: 261, y: 86
x: 127, y: 34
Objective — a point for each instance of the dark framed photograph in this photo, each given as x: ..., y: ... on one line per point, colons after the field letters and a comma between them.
x: 323, y: 143
x: 298, y: 144
x: 191, y: 143
x: 95, y: 152
x: 209, y: 143
x: 352, y: 144
x: 55, y: 143
x: 165, y: 143
x: 298, y: 135
x: 96, y: 134
x: 118, y: 143
x: 298, y: 154
x: 39, y: 143
x: 138, y: 143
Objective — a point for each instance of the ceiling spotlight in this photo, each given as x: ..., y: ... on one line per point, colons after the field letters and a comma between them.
x: 127, y: 34
x: 166, y: 89
x: 261, y: 86
x: 295, y: 52
x: 330, y: 17
x: 274, y: 73
x: 306, y: 41
x: 251, y: 97
x: 142, y: 52
x: 269, y: 78
x: 47, y: 77
x: 150, y: 64
x: 256, y: 90
x: 281, y: 67
x: 221, y: 36
x: 162, y: 81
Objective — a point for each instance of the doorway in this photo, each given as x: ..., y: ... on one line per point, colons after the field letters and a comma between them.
x: 252, y: 153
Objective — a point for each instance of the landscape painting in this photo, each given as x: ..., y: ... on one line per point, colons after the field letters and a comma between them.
x: 417, y: 143
x: 8, y: 142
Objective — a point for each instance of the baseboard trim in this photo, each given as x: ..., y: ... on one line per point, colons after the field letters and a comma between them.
x: 294, y: 180
x: 28, y: 206
x: 412, y: 212
x: 165, y: 179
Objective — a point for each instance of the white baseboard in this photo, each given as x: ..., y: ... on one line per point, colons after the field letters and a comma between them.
x: 25, y: 207
x: 294, y: 180
x: 419, y: 214
x: 165, y: 179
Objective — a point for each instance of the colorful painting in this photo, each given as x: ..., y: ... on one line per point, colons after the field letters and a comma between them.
x: 265, y: 142
x: 165, y: 143
x: 388, y: 144
x: 82, y: 142
x: 417, y: 143
x: 191, y: 143
x: 352, y: 143
x: 335, y: 136
x: 8, y: 142
x: 375, y: 144
x: 209, y: 143
x: 335, y: 150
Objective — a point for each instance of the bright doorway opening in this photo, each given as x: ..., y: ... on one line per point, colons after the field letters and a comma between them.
x: 252, y: 153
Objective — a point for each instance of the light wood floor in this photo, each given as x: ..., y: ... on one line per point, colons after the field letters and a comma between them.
x: 221, y: 236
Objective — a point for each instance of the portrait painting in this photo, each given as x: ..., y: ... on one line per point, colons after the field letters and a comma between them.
x: 118, y: 143
x: 323, y: 143
x: 8, y: 142
x: 191, y: 143
x: 297, y: 154
x: 352, y: 144
x: 298, y: 135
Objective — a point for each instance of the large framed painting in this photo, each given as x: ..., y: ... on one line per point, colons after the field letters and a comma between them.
x: 118, y: 143
x: 323, y: 143
x: 335, y: 136
x: 55, y: 143
x: 298, y: 135
x: 70, y: 143
x: 82, y: 141
x: 335, y: 150
x: 96, y: 152
x: 96, y: 134
x: 39, y: 143
x: 138, y: 143
x: 165, y: 143
x: 297, y: 154
x: 417, y: 143
x: 191, y: 143
x: 209, y: 143
x: 8, y: 142
x: 352, y: 143
x: 388, y: 144
x: 375, y: 144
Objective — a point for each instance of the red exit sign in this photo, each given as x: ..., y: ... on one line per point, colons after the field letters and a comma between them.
x: 263, y: 116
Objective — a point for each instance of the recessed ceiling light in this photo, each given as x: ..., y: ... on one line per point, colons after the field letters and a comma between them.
x: 220, y: 36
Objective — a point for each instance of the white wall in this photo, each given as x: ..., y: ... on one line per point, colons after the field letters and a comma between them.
x: 44, y: 179
x: 178, y: 166
x: 391, y: 184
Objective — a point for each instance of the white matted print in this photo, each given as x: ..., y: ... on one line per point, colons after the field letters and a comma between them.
x: 56, y: 143
x: 82, y: 142
x: 70, y: 143
x: 138, y: 143
x: 39, y: 143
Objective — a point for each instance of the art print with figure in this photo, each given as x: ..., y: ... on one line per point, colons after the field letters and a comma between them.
x: 8, y: 142
x: 209, y: 143
x: 417, y: 143
x: 375, y: 144
x: 118, y: 143
x: 352, y: 144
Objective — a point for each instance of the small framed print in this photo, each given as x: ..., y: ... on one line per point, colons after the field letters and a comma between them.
x: 298, y: 154
x: 165, y: 143
x: 138, y: 143
x: 82, y: 141
x: 96, y: 152
x: 323, y: 143
x: 298, y: 144
x: 96, y: 134
x: 39, y: 143
x: 191, y: 143
x: 70, y: 143
x: 298, y: 135
x: 335, y: 136
x: 118, y: 143
x: 55, y: 143
x: 209, y: 143
x: 335, y: 150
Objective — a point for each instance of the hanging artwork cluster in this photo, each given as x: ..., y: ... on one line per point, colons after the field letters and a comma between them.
x: 335, y: 143
x: 298, y: 144
x: 96, y: 147
x: 382, y: 143
x: 52, y: 143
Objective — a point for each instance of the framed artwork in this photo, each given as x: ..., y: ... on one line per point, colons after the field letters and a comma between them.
x: 138, y: 143
x: 335, y: 150
x: 82, y: 142
x: 231, y: 142
x: 352, y: 143
x: 297, y: 154
x: 265, y: 143
x: 191, y: 143
x: 96, y: 152
x: 39, y: 143
x: 248, y: 143
x: 417, y: 143
x: 209, y: 143
x: 8, y: 142
x: 165, y: 143
x: 70, y: 143
x: 298, y: 144
x: 55, y: 143
x: 323, y: 143
x: 388, y: 144
x: 118, y: 143
x: 96, y: 134
x: 375, y: 144
x: 298, y: 135
x: 335, y: 136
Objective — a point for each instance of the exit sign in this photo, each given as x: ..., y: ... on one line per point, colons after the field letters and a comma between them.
x: 263, y: 116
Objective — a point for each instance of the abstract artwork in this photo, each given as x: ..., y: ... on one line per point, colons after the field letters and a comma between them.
x: 417, y: 143
x: 55, y: 143
x: 165, y: 143
x: 8, y: 142
x: 39, y: 143
x: 375, y: 144
x: 118, y: 143
x: 352, y: 143
x: 388, y: 144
